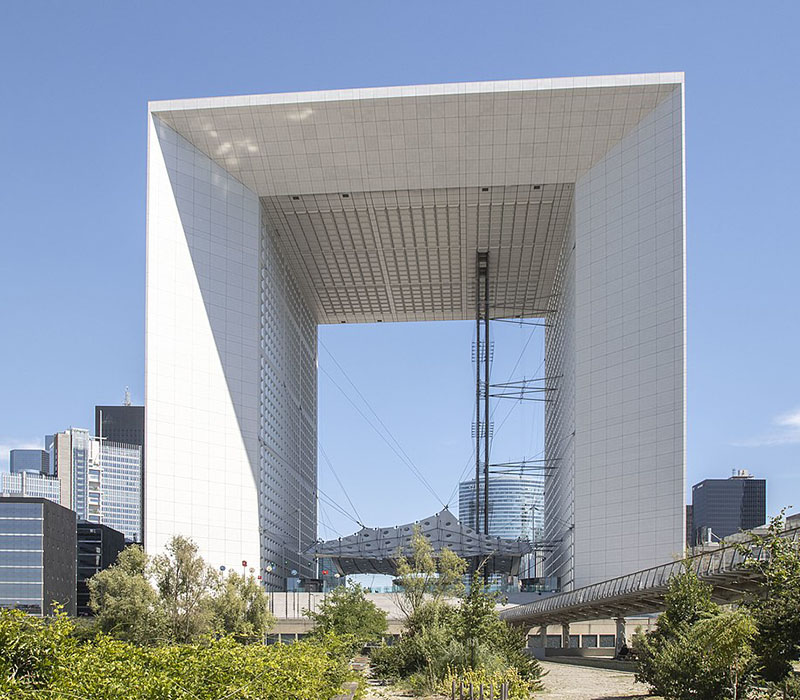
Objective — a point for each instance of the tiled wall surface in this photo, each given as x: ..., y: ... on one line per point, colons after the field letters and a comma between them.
x: 202, y: 353
x: 559, y: 434
x: 231, y: 341
x: 288, y: 427
x: 627, y: 337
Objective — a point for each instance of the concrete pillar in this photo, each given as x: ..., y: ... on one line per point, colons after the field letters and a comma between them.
x: 543, y: 636
x: 621, y: 638
x: 565, y: 635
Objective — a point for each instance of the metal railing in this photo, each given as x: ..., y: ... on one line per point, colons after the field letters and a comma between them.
x: 475, y: 691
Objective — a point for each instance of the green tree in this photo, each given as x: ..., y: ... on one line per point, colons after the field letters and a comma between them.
x: 687, y: 601
x: 348, y: 613
x: 185, y: 584
x: 697, y: 650
x: 487, y: 638
x: 241, y: 608
x: 775, y: 606
x: 424, y: 576
x: 124, y: 602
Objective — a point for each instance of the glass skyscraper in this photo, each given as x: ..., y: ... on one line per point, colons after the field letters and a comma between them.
x: 516, y: 506
x: 100, y: 480
x: 115, y: 489
x: 726, y: 506
x: 30, y: 484
x: 29, y: 461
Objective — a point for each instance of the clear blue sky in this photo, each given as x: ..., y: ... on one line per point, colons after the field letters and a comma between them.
x: 76, y: 80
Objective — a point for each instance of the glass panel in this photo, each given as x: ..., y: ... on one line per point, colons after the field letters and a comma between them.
x: 12, y: 574
x: 588, y: 641
x: 25, y: 527
x: 32, y: 607
x: 20, y: 590
x: 608, y: 641
x: 20, y: 542
x: 20, y: 510
x: 20, y: 558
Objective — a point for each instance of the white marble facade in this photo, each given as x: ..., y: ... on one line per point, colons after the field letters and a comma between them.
x: 270, y: 214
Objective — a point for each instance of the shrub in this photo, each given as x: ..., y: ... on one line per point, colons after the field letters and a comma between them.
x: 775, y: 606
x: 41, y: 658
x: 347, y: 613
x: 442, y: 639
x: 697, y: 650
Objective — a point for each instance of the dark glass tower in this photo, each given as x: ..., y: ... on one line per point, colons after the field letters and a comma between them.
x: 726, y: 506
x: 98, y: 548
x: 123, y: 424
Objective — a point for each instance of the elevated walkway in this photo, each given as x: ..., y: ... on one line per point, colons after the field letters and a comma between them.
x: 643, y: 592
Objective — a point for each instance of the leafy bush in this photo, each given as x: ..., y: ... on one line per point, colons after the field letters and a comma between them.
x: 442, y: 640
x: 29, y: 648
x: 347, y: 612
x: 775, y: 606
x: 697, y: 650
x: 41, y: 656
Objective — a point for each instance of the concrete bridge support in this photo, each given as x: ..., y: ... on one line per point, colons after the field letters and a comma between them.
x: 565, y: 635
x: 621, y: 638
x: 543, y: 636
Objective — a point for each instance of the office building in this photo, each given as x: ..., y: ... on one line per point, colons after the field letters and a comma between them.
x: 98, y: 548
x: 516, y: 510
x: 268, y: 215
x: 114, y: 491
x: 100, y: 480
x: 723, y: 507
x: 31, y: 485
x: 37, y: 555
x: 29, y: 461
x: 516, y: 506
x: 124, y: 425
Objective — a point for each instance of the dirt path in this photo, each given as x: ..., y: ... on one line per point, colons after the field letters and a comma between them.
x: 568, y: 682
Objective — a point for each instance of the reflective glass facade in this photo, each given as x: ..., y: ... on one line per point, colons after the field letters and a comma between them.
x: 727, y: 506
x: 29, y: 461
x: 21, y: 572
x: 101, y: 480
x: 516, y: 506
x: 37, y: 555
x: 31, y: 485
x: 117, y: 496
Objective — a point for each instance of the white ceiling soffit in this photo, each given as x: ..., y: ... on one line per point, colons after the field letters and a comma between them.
x: 410, y: 255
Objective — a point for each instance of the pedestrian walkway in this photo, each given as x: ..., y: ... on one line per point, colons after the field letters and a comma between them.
x: 570, y: 682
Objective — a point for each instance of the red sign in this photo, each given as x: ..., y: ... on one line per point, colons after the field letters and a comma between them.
x: 244, y: 563
x: 324, y: 572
